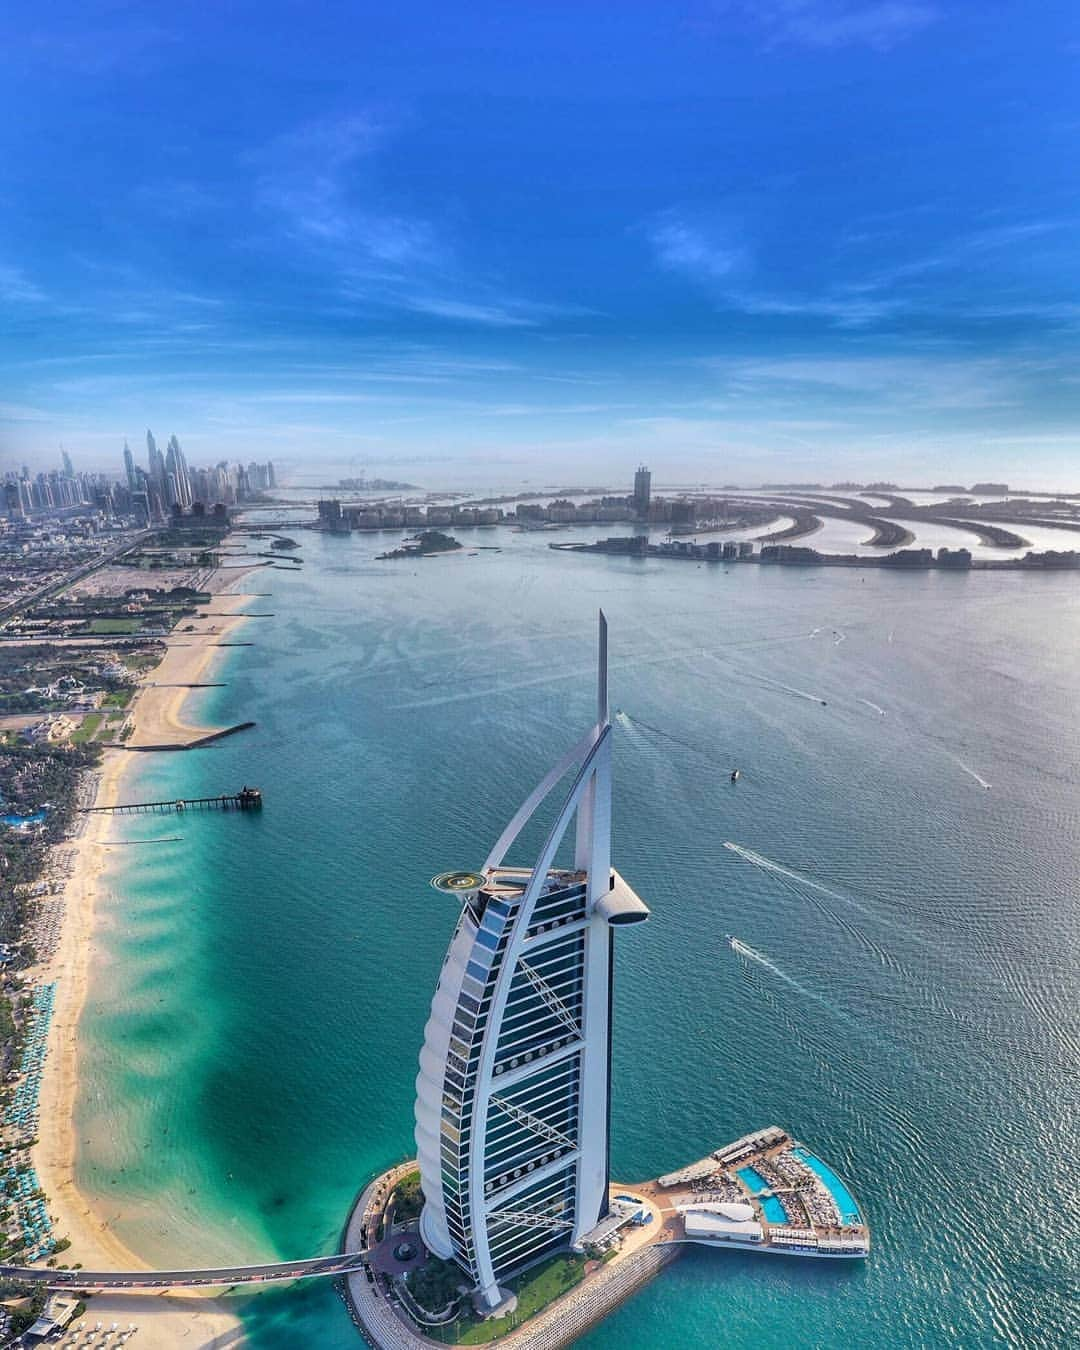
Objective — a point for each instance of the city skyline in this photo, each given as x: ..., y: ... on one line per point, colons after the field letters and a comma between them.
x: 166, y: 486
x: 802, y: 239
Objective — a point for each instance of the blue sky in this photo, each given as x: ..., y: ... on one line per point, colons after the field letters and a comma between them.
x: 742, y: 239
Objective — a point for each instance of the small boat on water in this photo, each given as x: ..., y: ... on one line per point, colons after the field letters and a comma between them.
x: 736, y: 774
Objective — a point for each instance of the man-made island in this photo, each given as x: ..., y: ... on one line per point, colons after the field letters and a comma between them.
x: 765, y: 1193
x: 422, y: 545
x: 794, y: 555
x: 508, y: 1226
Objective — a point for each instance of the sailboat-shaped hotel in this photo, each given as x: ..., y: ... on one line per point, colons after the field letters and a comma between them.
x: 513, y: 1094
x: 513, y: 1105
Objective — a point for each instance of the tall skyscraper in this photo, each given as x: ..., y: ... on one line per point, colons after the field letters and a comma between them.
x: 129, y: 469
x: 513, y: 1090
x: 13, y: 503
x: 642, y: 491
x: 176, y: 464
x: 156, y: 462
x: 65, y: 460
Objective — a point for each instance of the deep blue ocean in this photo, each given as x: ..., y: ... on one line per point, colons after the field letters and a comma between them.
x: 251, y: 1037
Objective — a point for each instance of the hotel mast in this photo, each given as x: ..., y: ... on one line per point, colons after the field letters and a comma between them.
x: 514, y: 1084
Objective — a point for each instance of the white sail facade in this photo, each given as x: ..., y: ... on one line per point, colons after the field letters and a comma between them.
x: 513, y: 1091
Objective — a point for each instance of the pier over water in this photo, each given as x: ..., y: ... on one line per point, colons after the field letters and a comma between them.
x: 247, y: 799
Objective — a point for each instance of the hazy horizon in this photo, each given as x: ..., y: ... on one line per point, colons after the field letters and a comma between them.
x: 788, y: 240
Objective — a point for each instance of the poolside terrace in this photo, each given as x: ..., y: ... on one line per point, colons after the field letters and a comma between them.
x: 765, y: 1191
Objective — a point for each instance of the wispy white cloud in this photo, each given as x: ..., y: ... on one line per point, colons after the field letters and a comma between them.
x: 845, y: 311
x: 17, y: 288
x: 495, y: 312
x: 724, y: 267
x: 321, y: 183
x: 497, y: 316
x: 879, y: 386
x: 828, y: 24
x: 683, y: 246
x: 21, y: 412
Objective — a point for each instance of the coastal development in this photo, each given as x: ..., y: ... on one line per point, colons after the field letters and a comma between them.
x: 507, y: 1224
x: 765, y: 1193
x: 793, y: 555
x: 109, y: 620
x: 509, y: 1221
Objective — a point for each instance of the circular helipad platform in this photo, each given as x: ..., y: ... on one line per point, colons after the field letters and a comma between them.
x: 456, y: 883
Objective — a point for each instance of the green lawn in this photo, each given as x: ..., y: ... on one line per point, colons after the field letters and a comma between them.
x: 90, y: 724
x: 120, y: 698
x: 106, y: 626
x: 535, y: 1290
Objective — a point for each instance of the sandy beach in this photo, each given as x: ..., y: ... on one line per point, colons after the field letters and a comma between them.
x: 158, y: 712
x: 164, y: 1320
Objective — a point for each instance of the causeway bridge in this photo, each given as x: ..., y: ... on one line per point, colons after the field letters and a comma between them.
x: 315, y: 1267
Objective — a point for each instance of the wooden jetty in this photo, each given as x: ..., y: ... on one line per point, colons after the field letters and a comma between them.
x: 247, y: 799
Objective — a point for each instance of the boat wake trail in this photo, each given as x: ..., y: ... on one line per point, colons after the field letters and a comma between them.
x: 790, y: 689
x: 810, y: 891
x: 769, y: 866
x: 764, y: 681
x: 749, y: 953
x: 875, y: 706
x: 969, y: 771
x: 635, y: 725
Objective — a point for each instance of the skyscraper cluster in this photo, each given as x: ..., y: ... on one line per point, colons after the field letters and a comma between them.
x: 58, y: 490
x: 168, y: 486
x: 165, y: 487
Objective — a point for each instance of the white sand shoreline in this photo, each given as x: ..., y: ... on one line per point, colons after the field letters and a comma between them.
x: 164, y: 1320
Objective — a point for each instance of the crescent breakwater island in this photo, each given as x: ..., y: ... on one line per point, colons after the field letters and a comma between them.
x: 98, y: 658
x: 794, y: 555
x: 896, y: 525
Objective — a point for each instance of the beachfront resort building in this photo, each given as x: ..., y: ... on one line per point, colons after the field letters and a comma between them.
x: 513, y: 1090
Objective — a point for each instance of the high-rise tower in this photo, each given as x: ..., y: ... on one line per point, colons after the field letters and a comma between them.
x: 642, y: 491
x: 129, y: 469
x: 176, y: 465
x: 513, y: 1090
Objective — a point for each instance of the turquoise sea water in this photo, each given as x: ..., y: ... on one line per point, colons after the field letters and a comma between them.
x: 261, y: 985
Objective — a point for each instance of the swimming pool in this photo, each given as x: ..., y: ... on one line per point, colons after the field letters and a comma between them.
x: 23, y: 822
x: 845, y: 1201
x: 756, y: 1183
